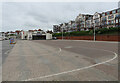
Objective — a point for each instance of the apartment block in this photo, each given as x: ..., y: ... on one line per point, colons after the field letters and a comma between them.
x: 56, y: 28
x: 82, y: 20
x: 117, y: 18
x: 64, y: 27
x: 89, y: 23
x: 86, y: 22
x: 111, y: 17
x: 97, y: 20
x: 71, y: 26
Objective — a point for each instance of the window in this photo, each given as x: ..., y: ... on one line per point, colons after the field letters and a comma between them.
x: 109, y: 22
x: 118, y: 11
x: 109, y: 17
x: 112, y: 16
x: 116, y: 15
x: 103, y: 14
x: 113, y: 12
x: 112, y: 21
x: 108, y: 13
x: 97, y: 20
x: 105, y: 22
x: 96, y: 16
x: 104, y: 19
x: 116, y: 20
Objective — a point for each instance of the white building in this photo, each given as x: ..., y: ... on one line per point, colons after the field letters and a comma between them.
x: 24, y: 34
x: 1, y: 36
x: 29, y: 37
x: 89, y: 23
x: 35, y: 35
x: 97, y: 20
x: 48, y: 36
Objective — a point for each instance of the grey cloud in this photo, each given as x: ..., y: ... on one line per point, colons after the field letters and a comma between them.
x: 33, y: 15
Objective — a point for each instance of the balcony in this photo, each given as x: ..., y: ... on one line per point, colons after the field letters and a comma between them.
x: 111, y: 24
x: 104, y: 19
x: 117, y: 16
x: 104, y: 24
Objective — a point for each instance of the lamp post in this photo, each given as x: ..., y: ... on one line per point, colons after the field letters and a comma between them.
x: 62, y: 33
x: 69, y: 32
x: 94, y: 34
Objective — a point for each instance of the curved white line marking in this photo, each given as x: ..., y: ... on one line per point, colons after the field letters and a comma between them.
x: 7, y: 52
x: 76, y: 69
x: 60, y: 49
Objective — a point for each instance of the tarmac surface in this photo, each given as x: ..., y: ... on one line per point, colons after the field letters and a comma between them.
x: 0, y: 61
x: 6, y: 48
x: 56, y: 60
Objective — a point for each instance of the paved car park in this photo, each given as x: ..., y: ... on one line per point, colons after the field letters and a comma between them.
x: 56, y: 60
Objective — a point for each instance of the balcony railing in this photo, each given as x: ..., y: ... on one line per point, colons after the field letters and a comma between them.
x: 117, y: 16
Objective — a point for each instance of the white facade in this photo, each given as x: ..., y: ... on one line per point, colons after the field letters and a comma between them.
x: 29, y: 34
x: 3, y: 35
x: 97, y: 20
x: 12, y: 37
x: 1, y: 38
x: 24, y: 34
x: 29, y: 37
x: 63, y: 27
x: 48, y: 36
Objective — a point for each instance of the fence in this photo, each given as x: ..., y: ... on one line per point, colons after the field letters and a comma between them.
x: 98, y: 37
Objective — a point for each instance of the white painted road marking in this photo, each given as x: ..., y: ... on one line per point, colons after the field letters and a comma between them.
x: 7, y: 52
x: 60, y: 49
x: 68, y: 47
x: 76, y: 69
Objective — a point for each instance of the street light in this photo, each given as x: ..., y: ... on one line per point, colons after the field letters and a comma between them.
x: 94, y: 34
x: 62, y: 33
x: 69, y: 31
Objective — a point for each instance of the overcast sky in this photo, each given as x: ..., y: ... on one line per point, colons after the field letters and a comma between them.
x: 35, y: 15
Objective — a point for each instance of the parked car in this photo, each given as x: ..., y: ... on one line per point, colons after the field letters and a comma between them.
x: 54, y: 38
x: 6, y: 38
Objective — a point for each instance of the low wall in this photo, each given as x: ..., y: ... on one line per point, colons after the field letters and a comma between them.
x: 98, y: 38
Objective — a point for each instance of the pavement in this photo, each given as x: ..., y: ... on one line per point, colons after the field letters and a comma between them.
x: 54, y: 60
x: 6, y: 48
x: 0, y: 61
